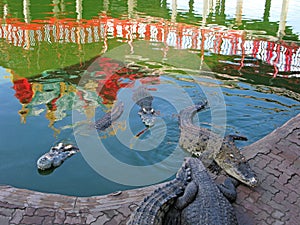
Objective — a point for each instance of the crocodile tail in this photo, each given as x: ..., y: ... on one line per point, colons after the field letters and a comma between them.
x: 155, y: 206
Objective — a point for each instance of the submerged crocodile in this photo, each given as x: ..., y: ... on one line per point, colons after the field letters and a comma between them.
x: 109, y: 117
x: 142, y: 97
x: 56, y: 156
x: 191, y: 198
x: 202, y: 142
x: 61, y: 151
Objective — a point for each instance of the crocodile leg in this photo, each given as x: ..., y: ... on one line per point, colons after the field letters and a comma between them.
x: 188, y: 196
x: 228, y: 189
x: 173, y: 215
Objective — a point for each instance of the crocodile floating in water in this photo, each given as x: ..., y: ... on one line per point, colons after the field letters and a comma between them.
x: 56, y: 156
x: 61, y: 151
x: 109, y: 117
x: 191, y: 198
x: 202, y: 142
x: 142, y: 97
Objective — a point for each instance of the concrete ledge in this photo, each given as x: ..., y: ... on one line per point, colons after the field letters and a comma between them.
x: 275, y: 158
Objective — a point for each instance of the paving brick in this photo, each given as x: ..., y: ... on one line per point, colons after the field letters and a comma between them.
x: 277, y: 206
x: 272, y: 171
x: 48, y: 220
x: 6, y: 212
x: 278, y: 186
x: 262, y: 215
x: 8, y: 205
x: 265, y: 207
x: 284, y: 178
x: 253, y: 197
x: 295, y: 180
x: 283, y: 145
x: 250, y: 207
x: 278, y: 222
x: 261, y: 163
x: 125, y: 210
x: 74, y: 220
x: 44, y: 212
x: 294, y: 137
x: 275, y: 159
x: 4, y: 220
x: 277, y: 214
x: 115, y: 220
x: 90, y: 219
x: 269, y: 187
x: 270, y: 220
x: 17, y: 216
x: 276, y: 150
x: 284, y: 168
x: 60, y: 216
x: 32, y: 220
x: 279, y: 197
x: 266, y: 197
x: 294, y: 148
x: 266, y: 158
x: 292, y: 197
x: 29, y: 211
x: 289, y: 155
x: 101, y: 220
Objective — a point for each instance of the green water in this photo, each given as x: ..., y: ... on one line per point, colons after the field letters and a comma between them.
x: 64, y: 62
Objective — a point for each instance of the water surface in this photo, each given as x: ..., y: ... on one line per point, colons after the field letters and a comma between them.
x: 60, y: 60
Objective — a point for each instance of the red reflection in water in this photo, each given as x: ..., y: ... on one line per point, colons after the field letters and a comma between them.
x: 116, y: 76
x: 23, y: 90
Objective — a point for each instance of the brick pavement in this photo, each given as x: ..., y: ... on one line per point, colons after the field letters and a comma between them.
x: 275, y: 158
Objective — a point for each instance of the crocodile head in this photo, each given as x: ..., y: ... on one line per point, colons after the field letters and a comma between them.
x: 148, y: 116
x: 56, y: 156
x: 45, y: 161
x: 230, y: 159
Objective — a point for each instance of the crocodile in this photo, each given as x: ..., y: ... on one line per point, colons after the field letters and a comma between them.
x: 61, y: 151
x: 142, y: 97
x: 56, y: 156
x: 191, y: 198
x: 203, y: 143
x: 105, y: 121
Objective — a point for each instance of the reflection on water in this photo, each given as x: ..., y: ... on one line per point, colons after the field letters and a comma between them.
x: 117, y: 46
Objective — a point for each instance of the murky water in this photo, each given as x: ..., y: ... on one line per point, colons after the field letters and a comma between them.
x: 63, y: 63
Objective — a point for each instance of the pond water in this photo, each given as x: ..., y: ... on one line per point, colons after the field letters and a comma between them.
x: 65, y: 63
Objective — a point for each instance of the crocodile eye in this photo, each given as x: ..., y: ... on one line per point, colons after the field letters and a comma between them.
x: 152, y: 111
x: 231, y: 155
x: 144, y: 110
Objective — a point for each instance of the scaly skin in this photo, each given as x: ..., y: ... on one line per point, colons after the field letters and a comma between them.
x: 109, y: 117
x: 208, y: 145
x: 152, y: 210
x: 191, y: 198
x: 203, y: 202
x: 143, y: 98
